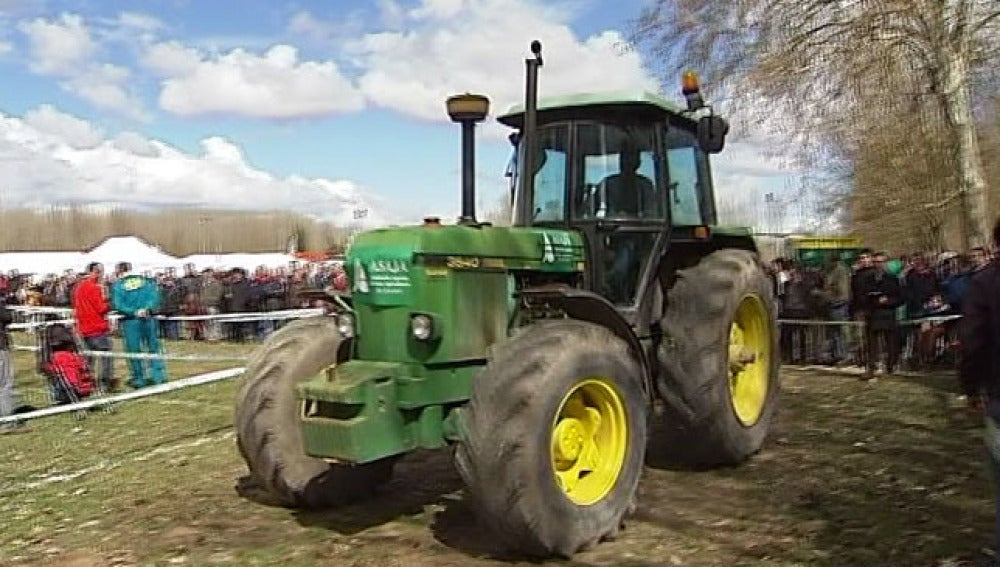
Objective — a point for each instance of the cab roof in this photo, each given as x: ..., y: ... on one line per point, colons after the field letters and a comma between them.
x: 640, y: 102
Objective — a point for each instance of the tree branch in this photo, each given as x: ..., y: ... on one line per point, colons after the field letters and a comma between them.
x: 983, y: 23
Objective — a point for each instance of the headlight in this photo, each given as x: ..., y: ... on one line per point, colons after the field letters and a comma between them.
x: 422, y: 327
x: 345, y: 325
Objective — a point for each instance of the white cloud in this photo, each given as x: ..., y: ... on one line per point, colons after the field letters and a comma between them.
x: 65, y: 128
x: 128, y: 29
x: 52, y: 158
x: 330, y: 34
x: 66, y: 48
x: 171, y: 58
x: 107, y: 86
x: 437, y: 9
x: 137, y: 144
x: 58, y: 46
x: 744, y: 174
x: 275, y: 84
x: 140, y: 22
x: 304, y: 24
x: 754, y: 156
x: 391, y: 14
x: 454, y: 46
x: 5, y: 47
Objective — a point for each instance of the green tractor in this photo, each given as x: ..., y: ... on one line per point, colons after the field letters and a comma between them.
x: 544, y: 352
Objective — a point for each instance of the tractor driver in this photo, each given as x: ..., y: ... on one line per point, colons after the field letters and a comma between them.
x: 628, y: 192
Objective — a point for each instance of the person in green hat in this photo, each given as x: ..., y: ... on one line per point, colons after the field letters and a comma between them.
x: 884, y: 295
x: 838, y: 294
x: 894, y: 267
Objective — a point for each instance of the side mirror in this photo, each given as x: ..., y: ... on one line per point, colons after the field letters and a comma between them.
x: 712, y: 132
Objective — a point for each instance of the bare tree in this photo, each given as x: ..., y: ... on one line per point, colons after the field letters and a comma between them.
x: 816, y: 62
x: 180, y: 231
x: 901, y: 197
x: 990, y: 144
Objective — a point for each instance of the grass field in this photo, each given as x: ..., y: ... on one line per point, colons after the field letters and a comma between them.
x: 853, y: 475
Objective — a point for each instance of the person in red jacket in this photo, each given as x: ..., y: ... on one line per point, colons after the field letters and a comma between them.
x: 91, y: 307
x: 72, y: 372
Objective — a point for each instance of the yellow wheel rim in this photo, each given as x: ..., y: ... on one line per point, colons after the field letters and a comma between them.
x: 749, y: 359
x: 589, y: 441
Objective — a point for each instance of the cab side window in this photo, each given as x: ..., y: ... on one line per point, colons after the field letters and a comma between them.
x: 684, y: 178
x: 550, y: 179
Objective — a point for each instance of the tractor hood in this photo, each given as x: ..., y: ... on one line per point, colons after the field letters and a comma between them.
x: 383, y: 264
x: 460, y: 277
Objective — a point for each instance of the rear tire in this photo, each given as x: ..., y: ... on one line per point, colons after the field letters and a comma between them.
x: 541, y: 492
x: 268, y: 430
x: 726, y: 424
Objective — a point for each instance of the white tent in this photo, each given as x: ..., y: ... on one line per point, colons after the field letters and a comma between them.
x: 41, y: 263
x: 142, y: 255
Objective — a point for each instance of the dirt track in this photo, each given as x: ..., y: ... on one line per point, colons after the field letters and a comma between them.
x: 853, y: 475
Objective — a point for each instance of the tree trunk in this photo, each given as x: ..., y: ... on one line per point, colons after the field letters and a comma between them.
x: 972, y: 182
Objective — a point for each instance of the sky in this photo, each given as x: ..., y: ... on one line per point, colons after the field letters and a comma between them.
x: 321, y: 107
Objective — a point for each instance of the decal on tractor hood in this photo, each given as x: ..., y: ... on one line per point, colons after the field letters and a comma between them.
x: 382, y: 276
x: 557, y: 246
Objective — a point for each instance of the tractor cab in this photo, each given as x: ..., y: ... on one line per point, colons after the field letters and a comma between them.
x: 621, y: 168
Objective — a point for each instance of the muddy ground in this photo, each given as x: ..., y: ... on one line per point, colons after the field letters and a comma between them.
x: 854, y: 474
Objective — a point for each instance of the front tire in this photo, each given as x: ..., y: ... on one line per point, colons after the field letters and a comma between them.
x: 554, y: 437
x: 268, y: 430
x: 721, y: 313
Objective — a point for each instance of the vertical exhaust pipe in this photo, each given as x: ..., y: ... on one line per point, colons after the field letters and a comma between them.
x: 525, y: 210
x: 468, y: 109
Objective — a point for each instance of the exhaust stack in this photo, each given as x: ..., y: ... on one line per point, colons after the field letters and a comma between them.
x: 525, y: 212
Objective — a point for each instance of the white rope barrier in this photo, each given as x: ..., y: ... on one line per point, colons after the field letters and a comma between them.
x: 249, y: 316
x: 36, y: 324
x: 242, y: 317
x: 938, y: 319
x: 145, y: 356
x: 148, y: 391
x: 818, y: 322
x: 254, y: 316
x: 42, y: 309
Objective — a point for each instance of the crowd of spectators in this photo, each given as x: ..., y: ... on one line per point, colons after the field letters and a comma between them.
x: 205, y: 292
x: 903, y: 304
x: 146, y: 314
x: 889, y: 300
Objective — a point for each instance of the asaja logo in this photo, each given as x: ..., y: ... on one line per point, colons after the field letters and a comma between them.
x: 389, y: 266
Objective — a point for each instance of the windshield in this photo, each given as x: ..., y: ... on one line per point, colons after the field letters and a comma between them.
x: 619, y: 172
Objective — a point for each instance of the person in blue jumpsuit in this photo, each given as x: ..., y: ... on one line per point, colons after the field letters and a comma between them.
x: 137, y: 298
